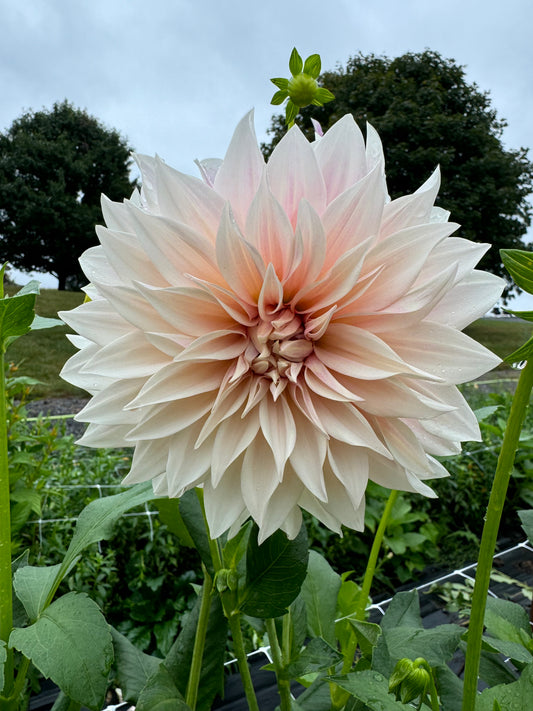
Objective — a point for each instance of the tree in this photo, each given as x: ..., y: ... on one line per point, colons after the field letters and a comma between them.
x: 54, y: 166
x: 427, y: 114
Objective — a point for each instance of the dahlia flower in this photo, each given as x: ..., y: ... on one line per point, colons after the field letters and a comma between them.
x: 279, y: 333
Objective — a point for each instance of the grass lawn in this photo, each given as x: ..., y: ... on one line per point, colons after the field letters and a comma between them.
x: 41, y: 354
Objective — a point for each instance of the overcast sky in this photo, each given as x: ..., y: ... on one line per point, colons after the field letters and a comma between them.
x: 175, y: 76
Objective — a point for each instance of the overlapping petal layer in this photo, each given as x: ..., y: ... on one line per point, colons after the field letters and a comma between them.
x: 280, y: 333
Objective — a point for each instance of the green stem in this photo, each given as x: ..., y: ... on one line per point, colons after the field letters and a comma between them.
x: 498, y: 493
x: 6, y: 583
x: 234, y: 622
x: 284, y: 686
x: 199, y: 642
x: 373, y: 557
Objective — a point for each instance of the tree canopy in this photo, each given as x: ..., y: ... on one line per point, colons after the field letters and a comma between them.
x: 427, y: 114
x: 54, y: 166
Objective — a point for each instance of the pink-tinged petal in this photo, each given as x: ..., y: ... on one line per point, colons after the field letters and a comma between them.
x: 443, y: 351
x: 238, y: 178
x: 301, y: 397
x: 268, y: 229
x: 208, y: 168
x: 318, y: 129
x: 410, y: 210
x: 271, y: 295
x: 439, y: 215
x: 292, y: 523
x: 350, y: 466
x: 232, y: 437
x: 105, y: 436
x: 187, y: 464
x: 352, y: 351
x: 374, y: 151
x: 230, y: 400
x: 258, y: 478
x: 170, y: 343
x: 310, y: 252
x: 323, y: 383
x: 341, y: 156
x: 188, y: 309
x: 454, y: 250
x: 143, y: 359
x: 71, y: 371
x: 219, y: 345
x: 95, y: 266
x: 97, y: 321
x: 175, y: 249
x: 403, y: 255
x: 403, y: 445
x: 148, y: 197
x: 179, y: 381
x: 294, y: 174
x: 281, y: 504
x: 432, y: 444
x: 336, y: 286
x: 188, y: 200
x: 468, y: 300
x: 224, y: 503
x: 149, y: 460
x: 344, y: 422
x: 107, y: 407
x: 307, y: 457
x: 391, y: 475
x: 279, y: 430
x: 239, y: 262
x: 238, y: 309
x: 116, y: 215
x: 161, y: 421
x: 459, y: 424
x: 354, y: 216
x: 127, y: 258
x: 132, y: 307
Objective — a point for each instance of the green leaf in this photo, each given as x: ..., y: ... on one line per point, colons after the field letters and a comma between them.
x: 291, y: 112
x: 524, y: 315
x: 511, y: 697
x: 317, y: 697
x: 371, y: 688
x: 133, y: 667
x: 32, y: 585
x: 3, y: 657
x: 403, y: 611
x: 16, y: 316
x: 279, y: 97
x: 40, y: 322
x: 449, y: 688
x: 505, y: 619
x: 523, y: 353
x: 170, y: 515
x: 436, y: 645
x: 526, y: 517
x: 317, y: 656
x: 313, y: 65
x: 71, y: 644
x: 95, y: 523
x: 275, y: 571
x: 367, y: 635
x: 281, y: 83
x: 178, y: 660
x: 519, y: 264
x: 235, y: 548
x: 320, y: 590
x: 193, y: 518
x: 483, y: 413
x: 295, y: 63
x: 161, y: 694
x: 515, y: 651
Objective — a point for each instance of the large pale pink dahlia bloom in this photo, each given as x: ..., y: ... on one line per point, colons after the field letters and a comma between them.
x: 280, y: 333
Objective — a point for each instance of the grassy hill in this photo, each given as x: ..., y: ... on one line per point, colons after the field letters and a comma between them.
x: 41, y: 354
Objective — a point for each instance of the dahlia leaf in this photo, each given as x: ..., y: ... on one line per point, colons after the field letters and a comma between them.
x: 161, y: 693
x: 519, y: 264
x: 295, y: 63
x: 521, y: 354
x: 236, y: 547
x: 71, y: 644
x: 169, y: 513
x: 526, y: 517
x: 320, y: 590
x: 371, y: 688
x: 192, y: 514
x: 324, y: 95
x: 3, y: 657
x: 275, y: 571
x: 312, y: 65
x: 316, y: 657
x: 524, y: 315
x: 134, y: 667
x: 40, y: 322
x: 291, y: 112
x: 16, y: 316
x: 516, y: 695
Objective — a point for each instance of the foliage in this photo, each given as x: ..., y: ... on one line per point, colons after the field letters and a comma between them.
x: 427, y: 114
x: 54, y: 166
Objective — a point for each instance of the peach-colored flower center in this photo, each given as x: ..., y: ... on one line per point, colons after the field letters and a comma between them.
x: 280, y: 346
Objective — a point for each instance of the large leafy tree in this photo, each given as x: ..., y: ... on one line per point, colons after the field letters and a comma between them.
x: 428, y: 114
x: 54, y: 166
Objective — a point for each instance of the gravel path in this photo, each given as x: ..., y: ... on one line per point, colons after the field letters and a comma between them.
x: 60, y: 406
